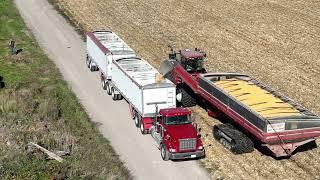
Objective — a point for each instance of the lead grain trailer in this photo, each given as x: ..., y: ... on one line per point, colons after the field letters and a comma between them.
x: 152, y: 99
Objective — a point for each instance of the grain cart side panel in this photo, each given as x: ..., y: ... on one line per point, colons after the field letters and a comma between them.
x: 277, y: 121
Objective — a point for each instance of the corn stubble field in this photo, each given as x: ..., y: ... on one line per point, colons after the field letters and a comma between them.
x: 275, y: 41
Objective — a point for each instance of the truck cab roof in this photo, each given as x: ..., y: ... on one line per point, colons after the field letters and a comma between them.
x: 179, y: 111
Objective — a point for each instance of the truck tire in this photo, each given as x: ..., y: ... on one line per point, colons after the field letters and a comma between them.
x: 108, y: 88
x: 92, y: 68
x: 142, y: 129
x: 164, y: 152
x: 119, y: 96
x: 113, y: 95
x: 186, y: 99
x: 103, y: 83
x: 137, y: 120
x: 88, y: 61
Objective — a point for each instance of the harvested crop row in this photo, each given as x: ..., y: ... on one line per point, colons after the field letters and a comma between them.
x: 274, y: 41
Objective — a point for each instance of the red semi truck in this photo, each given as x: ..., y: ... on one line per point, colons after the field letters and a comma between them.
x: 251, y: 111
x: 151, y: 99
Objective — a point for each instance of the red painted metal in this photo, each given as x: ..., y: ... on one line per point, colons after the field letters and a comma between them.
x: 147, y: 122
x: 295, y: 137
x: 215, y: 113
x: 262, y: 136
x: 179, y: 111
x: 179, y: 131
x: 173, y: 133
x: 185, y: 78
x: 191, y: 53
x: 280, y: 150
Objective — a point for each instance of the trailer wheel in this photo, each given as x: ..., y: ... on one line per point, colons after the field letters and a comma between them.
x: 186, y: 99
x: 119, y: 96
x: 108, y: 88
x: 164, y: 153
x: 143, y: 131
x: 88, y: 61
x: 92, y: 68
x: 132, y: 111
x: 137, y: 120
x: 113, y: 95
x: 103, y: 83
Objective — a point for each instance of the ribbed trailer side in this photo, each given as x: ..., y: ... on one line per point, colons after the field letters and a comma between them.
x: 105, y: 46
x: 137, y: 81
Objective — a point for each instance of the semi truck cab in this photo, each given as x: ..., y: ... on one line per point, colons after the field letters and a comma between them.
x: 176, y: 136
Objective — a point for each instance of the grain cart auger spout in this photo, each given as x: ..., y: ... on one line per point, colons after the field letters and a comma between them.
x: 253, y: 113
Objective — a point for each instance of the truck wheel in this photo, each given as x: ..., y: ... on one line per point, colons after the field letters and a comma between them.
x: 186, y: 99
x: 132, y: 111
x: 88, y: 61
x: 113, y: 95
x: 103, y: 84
x: 119, y: 96
x: 92, y: 68
x: 143, y: 131
x: 108, y: 88
x: 164, y: 153
x: 137, y: 120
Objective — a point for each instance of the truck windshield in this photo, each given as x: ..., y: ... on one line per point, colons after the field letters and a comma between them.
x: 174, y: 120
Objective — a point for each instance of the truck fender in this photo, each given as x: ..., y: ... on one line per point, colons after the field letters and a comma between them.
x: 146, y: 124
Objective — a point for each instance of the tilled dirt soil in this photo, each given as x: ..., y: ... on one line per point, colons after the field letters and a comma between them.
x: 275, y: 41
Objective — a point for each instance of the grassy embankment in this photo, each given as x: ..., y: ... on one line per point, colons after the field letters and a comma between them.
x: 37, y: 106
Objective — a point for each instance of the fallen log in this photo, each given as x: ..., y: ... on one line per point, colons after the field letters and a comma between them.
x: 49, y: 153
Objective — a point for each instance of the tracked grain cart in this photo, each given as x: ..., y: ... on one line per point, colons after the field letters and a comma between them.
x: 253, y: 109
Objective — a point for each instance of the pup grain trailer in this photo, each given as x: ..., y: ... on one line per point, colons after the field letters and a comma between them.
x: 151, y: 98
x: 253, y: 109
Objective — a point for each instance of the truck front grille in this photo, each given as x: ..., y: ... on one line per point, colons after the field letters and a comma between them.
x: 187, y: 144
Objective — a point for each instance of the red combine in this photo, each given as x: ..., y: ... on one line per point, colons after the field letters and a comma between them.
x: 253, y: 111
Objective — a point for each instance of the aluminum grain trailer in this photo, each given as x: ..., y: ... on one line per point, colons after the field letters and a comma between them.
x: 103, y: 47
x: 151, y: 98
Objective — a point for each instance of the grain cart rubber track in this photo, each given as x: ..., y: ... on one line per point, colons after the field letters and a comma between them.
x: 232, y: 139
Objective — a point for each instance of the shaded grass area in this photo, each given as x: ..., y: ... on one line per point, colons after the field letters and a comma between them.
x: 37, y: 106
